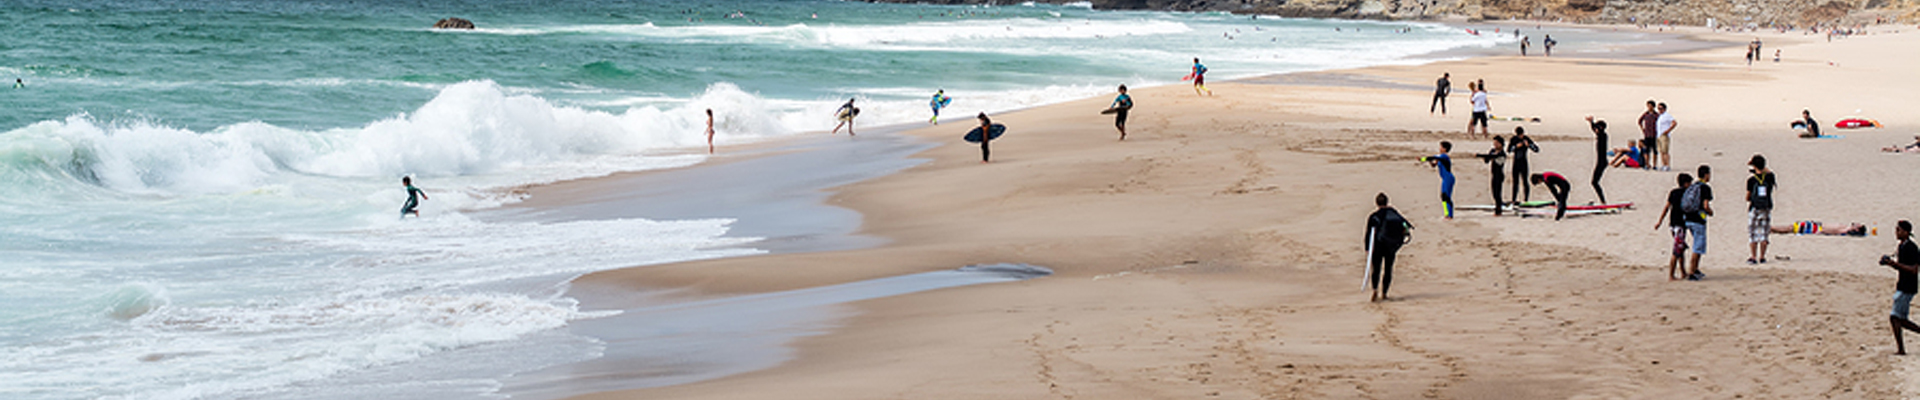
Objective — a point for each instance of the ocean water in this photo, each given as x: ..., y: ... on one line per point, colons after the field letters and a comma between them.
x: 199, y: 199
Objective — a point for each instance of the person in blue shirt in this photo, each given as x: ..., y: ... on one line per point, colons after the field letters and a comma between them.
x: 1121, y: 104
x: 1199, y: 77
x: 1444, y: 163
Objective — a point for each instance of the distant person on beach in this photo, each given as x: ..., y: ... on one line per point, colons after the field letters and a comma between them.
x: 1676, y: 225
x: 1697, y: 203
x: 1760, y: 187
x: 1444, y: 163
x: 1558, y: 186
x: 986, y: 136
x: 1813, y: 127
x: 1525, y: 41
x: 1440, y: 91
x: 940, y: 99
x: 1629, y: 157
x: 1121, y: 105
x: 1908, y: 148
x: 709, y: 131
x: 1776, y: 55
x: 1548, y: 43
x: 1386, y: 232
x: 1818, y: 228
x: 845, y: 114
x: 1497, y: 157
x: 414, y: 196
x: 1649, y: 130
x: 1664, y: 143
x: 1199, y: 76
x: 1905, y: 259
x: 1518, y: 147
x: 1480, y: 108
x: 1599, y: 129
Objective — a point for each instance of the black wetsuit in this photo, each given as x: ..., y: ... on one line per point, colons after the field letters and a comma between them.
x: 1600, y: 160
x: 1518, y: 148
x: 986, y: 135
x: 1498, y: 159
x: 1386, y: 231
x: 1558, y: 186
x: 413, y: 200
x: 1440, y: 92
x: 1813, y: 128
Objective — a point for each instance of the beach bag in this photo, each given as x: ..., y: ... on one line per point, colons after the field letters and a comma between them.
x: 1690, y: 201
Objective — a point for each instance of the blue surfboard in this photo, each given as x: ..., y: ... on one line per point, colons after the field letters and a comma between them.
x: 973, y: 136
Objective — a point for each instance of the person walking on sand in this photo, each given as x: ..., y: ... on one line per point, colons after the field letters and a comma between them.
x: 1759, y: 209
x: 1386, y: 232
x: 1480, y: 108
x: 986, y: 136
x: 1440, y: 91
x: 1497, y: 157
x: 1199, y: 77
x: 1121, y: 105
x: 709, y: 131
x: 1697, y: 203
x: 1906, y: 260
x: 1676, y: 225
x: 1444, y: 163
x: 1664, y: 143
x: 414, y: 196
x: 1558, y: 186
x: 1649, y: 133
x: 1518, y: 147
x: 1600, y: 155
x: 940, y: 100
x: 845, y: 114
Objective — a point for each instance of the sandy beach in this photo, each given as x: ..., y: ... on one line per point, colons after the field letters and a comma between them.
x: 1216, y: 252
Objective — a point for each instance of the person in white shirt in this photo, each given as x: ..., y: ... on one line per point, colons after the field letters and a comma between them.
x: 1665, y: 127
x: 1480, y: 108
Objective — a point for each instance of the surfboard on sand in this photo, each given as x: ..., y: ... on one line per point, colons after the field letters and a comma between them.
x: 1548, y: 213
x: 973, y: 136
x: 1612, y: 206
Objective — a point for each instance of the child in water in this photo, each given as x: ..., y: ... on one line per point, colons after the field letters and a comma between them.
x: 414, y: 195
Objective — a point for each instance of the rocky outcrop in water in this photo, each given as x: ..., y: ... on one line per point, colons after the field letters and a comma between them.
x: 1686, y: 12
x: 453, y: 23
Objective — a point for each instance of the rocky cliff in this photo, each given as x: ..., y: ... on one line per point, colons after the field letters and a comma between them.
x: 1686, y: 12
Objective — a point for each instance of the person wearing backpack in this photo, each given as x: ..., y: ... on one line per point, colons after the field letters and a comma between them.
x: 1676, y: 224
x: 1759, y: 209
x: 1386, y: 232
x: 1697, y: 204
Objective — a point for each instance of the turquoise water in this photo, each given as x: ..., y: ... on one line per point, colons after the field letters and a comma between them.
x: 201, y: 197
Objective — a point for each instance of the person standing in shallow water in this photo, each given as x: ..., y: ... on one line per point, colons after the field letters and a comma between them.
x: 845, y: 114
x: 414, y: 195
x: 1386, y: 232
x: 709, y: 131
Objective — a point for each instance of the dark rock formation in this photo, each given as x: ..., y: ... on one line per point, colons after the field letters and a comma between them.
x: 453, y: 23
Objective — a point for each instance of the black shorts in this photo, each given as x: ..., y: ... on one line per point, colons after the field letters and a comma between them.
x: 1479, y: 117
x: 1120, y: 118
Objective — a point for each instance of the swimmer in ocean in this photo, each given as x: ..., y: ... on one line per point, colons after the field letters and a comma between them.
x: 414, y: 195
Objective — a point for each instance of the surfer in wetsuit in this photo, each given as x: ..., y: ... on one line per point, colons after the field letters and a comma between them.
x: 845, y: 115
x: 17, y: 84
x: 1440, y: 91
x: 1518, y: 148
x: 414, y: 195
x: 1498, y: 159
x: 1558, y: 186
x: 986, y: 135
x: 940, y: 99
x: 1444, y: 163
x: 1600, y: 155
x: 1121, y: 104
x: 1386, y: 232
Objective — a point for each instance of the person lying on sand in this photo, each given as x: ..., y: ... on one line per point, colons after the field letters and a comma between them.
x: 1817, y: 228
x: 1909, y: 148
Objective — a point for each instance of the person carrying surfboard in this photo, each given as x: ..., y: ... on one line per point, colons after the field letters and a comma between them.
x: 1199, y: 77
x: 986, y: 136
x: 940, y: 100
x: 845, y: 114
x: 1121, y: 104
x: 414, y: 196
x: 1556, y: 185
x: 1386, y: 232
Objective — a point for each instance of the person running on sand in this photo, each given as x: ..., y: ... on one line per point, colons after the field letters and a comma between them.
x: 1444, y: 163
x: 1121, y: 105
x: 1480, y: 108
x: 1558, y: 186
x: 1386, y: 232
x: 1440, y: 91
x: 1628, y: 157
x: 1760, y: 187
x: 1676, y: 225
x: 1518, y: 147
x: 986, y: 136
x: 1600, y: 157
x: 845, y: 114
x: 1497, y: 157
x: 1905, y: 259
x: 414, y: 196
x: 1199, y: 76
x: 1664, y: 144
x: 709, y: 131
x: 1649, y: 130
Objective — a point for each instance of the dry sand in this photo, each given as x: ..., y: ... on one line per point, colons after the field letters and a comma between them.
x: 1216, y: 253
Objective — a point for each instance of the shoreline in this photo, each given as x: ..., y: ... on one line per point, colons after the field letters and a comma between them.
x: 910, y: 242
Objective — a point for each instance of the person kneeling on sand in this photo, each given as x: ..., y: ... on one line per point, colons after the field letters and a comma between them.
x: 1386, y: 232
x: 1906, y: 260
